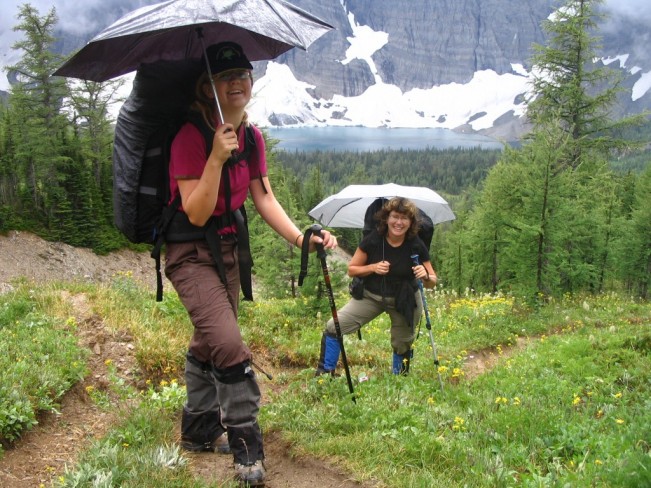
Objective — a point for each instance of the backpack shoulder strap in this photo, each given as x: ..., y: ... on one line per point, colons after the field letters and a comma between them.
x: 169, y: 211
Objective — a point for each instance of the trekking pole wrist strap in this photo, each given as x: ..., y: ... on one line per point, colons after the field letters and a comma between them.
x: 305, y: 250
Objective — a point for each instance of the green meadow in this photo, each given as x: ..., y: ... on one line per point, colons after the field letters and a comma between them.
x: 555, y: 393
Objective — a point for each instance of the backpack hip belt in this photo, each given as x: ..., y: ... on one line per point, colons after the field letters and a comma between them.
x: 181, y: 230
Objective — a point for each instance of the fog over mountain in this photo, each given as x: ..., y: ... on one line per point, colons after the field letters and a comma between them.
x: 458, y: 64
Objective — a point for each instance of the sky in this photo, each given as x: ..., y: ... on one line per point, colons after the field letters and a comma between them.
x: 446, y: 106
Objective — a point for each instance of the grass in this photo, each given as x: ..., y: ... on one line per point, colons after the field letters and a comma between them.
x: 39, y: 360
x: 567, y: 402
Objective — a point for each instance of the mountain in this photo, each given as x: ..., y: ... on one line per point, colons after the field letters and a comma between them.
x: 457, y: 64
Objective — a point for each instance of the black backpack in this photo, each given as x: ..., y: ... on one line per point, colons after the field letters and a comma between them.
x: 146, y: 126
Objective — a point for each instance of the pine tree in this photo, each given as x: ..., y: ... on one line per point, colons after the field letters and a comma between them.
x: 36, y: 122
x: 571, y: 88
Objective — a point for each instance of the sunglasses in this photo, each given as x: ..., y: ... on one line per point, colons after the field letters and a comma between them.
x: 233, y: 75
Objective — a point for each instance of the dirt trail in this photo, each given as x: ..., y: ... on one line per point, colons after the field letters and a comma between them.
x: 44, y: 452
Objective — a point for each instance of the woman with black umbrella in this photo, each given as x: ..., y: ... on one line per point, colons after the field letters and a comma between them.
x: 223, y: 395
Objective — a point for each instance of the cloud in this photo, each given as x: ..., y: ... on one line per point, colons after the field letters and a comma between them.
x: 623, y: 13
x: 637, y: 9
x: 82, y: 18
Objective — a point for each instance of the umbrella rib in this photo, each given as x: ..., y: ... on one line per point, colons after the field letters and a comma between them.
x: 343, y: 206
x: 287, y: 24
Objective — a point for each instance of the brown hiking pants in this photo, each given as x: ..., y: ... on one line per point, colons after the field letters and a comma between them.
x: 212, y: 306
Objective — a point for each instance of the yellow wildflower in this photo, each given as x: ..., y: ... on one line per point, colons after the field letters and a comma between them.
x: 458, y: 424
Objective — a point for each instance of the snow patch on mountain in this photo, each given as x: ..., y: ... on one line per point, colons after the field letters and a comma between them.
x: 281, y: 99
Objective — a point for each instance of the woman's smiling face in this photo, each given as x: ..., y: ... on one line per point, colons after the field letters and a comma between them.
x: 398, y: 224
x: 234, y: 88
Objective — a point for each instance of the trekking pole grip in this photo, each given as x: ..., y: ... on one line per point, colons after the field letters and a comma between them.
x: 320, y: 248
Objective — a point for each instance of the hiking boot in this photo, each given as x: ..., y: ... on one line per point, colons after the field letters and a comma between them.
x: 250, y: 474
x: 219, y: 445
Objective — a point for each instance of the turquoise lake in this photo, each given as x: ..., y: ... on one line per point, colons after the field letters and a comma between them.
x: 365, y: 139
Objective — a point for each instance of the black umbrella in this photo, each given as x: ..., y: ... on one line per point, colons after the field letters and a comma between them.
x: 179, y: 30
x: 167, y: 31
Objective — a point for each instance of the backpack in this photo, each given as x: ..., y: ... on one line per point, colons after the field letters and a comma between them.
x: 146, y: 126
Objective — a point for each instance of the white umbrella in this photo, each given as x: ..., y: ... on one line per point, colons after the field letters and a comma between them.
x: 348, y: 207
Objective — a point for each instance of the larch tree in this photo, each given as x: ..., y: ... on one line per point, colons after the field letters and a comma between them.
x: 570, y: 87
x: 36, y: 119
x: 548, y: 211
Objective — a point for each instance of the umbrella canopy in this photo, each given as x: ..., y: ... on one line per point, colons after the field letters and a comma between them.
x: 167, y: 31
x: 348, y: 207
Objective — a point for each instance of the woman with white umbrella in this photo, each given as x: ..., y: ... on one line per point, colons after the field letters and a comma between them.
x: 384, y: 261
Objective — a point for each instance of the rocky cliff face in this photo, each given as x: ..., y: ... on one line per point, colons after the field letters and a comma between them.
x: 438, y: 42
x: 430, y: 42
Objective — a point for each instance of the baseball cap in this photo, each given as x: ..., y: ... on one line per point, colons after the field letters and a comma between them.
x: 226, y: 56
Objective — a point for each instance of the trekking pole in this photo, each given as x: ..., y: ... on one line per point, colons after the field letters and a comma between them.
x: 428, y: 323
x: 321, y: 254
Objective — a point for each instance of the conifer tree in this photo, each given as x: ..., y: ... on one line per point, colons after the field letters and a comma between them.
x: 572, y: 88
x: 636, y: 240
x: 548, y: 211
x: 36, y: 122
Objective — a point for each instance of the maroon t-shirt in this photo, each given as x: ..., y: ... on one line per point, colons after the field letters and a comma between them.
x: 188, y: 160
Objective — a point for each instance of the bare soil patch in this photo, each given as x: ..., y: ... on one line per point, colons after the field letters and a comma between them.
x: 479, y: 362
